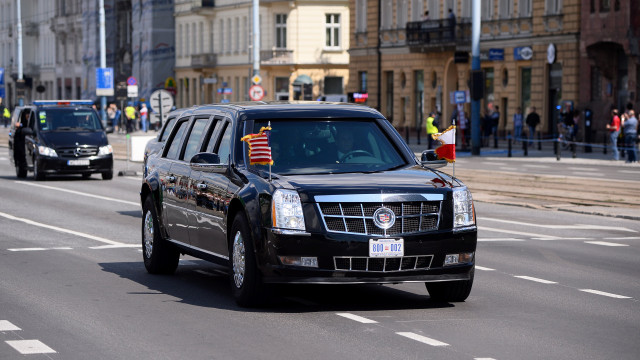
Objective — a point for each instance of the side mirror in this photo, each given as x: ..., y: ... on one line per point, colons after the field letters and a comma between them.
x: 208, y: 162
x: 430, y: 159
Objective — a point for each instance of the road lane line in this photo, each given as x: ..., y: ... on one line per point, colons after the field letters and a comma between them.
x: 562, y: 238
x: 623, y: 238
x: 536, y: 166
x: 604, y: 243
x: 27, y: 249
x: 484, y: 268
x: 28, y: 347
x: 500, y: 239
x: 605, y: 294
x: 6, y: 325
x: 80, y: 193
x: 115, y: 246
x: 582, y: 168
x: 63, y: 230
x: 527, y: 234
x: 357, y: 318
x: 562, y: 227
x: 422, y: 339
x: 535, y: 279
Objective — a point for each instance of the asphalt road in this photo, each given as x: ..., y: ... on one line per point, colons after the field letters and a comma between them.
x: 549, y: 285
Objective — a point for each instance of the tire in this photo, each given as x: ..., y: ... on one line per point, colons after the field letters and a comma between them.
x: 245, y: 278
x: 107, y: 175
x: 451, y: 291
x: 38, y: 175
x: 159, y: 255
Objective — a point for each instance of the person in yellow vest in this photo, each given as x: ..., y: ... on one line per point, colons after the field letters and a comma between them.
x: 432, y: 128
x: 130, y: 113
x: 6, y: 116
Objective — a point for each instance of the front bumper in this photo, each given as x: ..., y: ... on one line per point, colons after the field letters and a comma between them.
x: 60, y: 165
x: 328, y: 247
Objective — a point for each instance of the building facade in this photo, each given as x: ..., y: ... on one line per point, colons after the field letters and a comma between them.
x: 609, y: 59
x: 303, y: 49
x: 410, y: 64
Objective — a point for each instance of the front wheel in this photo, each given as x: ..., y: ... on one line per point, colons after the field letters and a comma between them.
x: 451, y: 291
x: 107, y: 175
x: 160, y: 256
x: 246, y: 282
x: 38, y: 175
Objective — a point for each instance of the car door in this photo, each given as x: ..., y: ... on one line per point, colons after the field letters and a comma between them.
x: 171, y: 172
x: 30, y: 140
x: 209, y: 230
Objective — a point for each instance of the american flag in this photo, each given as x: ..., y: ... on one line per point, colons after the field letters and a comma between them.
x: 259, y: 147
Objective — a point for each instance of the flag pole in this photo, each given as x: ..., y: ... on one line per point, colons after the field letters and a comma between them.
x: 454, y: 145
x: 270, y: 155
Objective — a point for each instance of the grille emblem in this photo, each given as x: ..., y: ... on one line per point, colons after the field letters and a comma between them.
x: 384, y: 218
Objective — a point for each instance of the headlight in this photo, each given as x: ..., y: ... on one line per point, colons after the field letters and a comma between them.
x: 47, y: 151
x: 286, y: 210
x: 463, y: 211
x: 105, y: 150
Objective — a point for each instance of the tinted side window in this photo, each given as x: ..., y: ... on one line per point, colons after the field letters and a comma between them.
x: 224, y: 149
x: 167, y: 129
x: 176, y: 141
x: 193, y: 142
x: 211, y: 143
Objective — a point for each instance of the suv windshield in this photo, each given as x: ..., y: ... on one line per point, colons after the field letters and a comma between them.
x: 321, y: 146
x: 70, y: 119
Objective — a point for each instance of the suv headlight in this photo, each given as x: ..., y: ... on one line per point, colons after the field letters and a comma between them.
x: 47, y: 151
x: 463, y: 210
x: 105, y: 150
x: 286, y: 210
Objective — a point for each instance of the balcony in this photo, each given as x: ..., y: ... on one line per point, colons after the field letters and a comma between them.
x: 204, y: 60
x: 276, y: 57
x: 429, y: 35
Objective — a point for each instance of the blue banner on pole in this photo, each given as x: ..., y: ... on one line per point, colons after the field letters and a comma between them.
x: 104, y: 81
x: 1, y: 76
x: 2, y: 92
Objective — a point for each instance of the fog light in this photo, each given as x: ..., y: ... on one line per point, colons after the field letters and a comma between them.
x: 455, y: 259
x: 306, y: 261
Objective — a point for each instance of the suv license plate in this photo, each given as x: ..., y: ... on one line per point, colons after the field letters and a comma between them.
x: 84, y: 162
x: 386, y: 247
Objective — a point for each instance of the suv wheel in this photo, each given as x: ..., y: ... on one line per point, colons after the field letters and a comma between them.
x: 38, y: 175
x: 246, y: 282
x: 160, y: 256
x: 451, y: 291
x: 107, y: 175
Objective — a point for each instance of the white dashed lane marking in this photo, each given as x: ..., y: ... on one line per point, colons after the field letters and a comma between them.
x: 604, y: 243
x: 80, y: 193
x: 6, y: 325
x: 597, y: 292
x: 542, y: 281
x: 357, y: 318
x: 422, y: 339
x: 40, y: 249
x: 29, y: 347
x: 484, y: 268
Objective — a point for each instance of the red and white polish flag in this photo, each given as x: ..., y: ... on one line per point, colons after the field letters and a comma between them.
x: 447, y: 149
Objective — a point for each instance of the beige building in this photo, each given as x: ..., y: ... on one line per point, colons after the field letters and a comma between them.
x: 529, y: 52
x: 303, y: 49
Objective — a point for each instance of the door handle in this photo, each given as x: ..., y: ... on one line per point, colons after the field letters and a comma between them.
x: 202, y: 186
x: 171, y: 178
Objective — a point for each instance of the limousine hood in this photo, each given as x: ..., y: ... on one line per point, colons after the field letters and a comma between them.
x: 415, y: 180
x: 63, y: 139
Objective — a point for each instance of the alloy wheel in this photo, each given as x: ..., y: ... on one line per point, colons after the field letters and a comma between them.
x: 238, y: 260
x: 148, y: 234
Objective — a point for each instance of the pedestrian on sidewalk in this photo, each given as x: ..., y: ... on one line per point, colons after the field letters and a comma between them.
x: 495, y: 121
x: 5, y: 113
x: 130, y: 113
x: 533, y: 119
x: 630, y: 129
x: 463, y: 126
x: 432, y: 128
x: 517, y: 124
x: 144, y: 117
x: 614, y: 132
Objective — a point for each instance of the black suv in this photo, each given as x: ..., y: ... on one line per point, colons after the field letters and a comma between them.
x: 345, y: 201
x: 59, y: 137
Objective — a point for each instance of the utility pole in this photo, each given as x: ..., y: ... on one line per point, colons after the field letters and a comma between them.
x: 20, y: 81
x: 476, y: 137
x: 256, y: 37
x: 103, y: 59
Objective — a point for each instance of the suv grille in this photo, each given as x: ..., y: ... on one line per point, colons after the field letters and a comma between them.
x: 79, y: 151
x: 404, y: 263
x: 357, y: 218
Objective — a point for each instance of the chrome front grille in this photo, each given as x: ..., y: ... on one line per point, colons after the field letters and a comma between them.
x: 78, y: 151
x: 379, y: 264
x: 357, y: 218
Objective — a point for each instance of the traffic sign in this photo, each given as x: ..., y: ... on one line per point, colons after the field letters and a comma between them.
x: 256, y: 79
x: 132, y: 81
x: 132, y: 91
x: 161, y: 101
x: 104, y: 81
x: 256, y: 92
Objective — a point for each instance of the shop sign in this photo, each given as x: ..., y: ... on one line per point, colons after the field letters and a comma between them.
x: 496, y: 54
x: 523, y: 53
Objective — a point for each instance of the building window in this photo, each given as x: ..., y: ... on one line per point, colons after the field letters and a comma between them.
x: 245, y: 32
x: 524, y: 8
x: 222, y: 43
x: 387, y: 13
x: 401, y: 14
x: 433, y: 6
x: 186, y: 40
x: 333, y: 85
x: 416, y: 10
x: 487, y: 10
x: 194, y: 44
x: 554, y: 7
x: 505, y: 8
x: 229, y: 36
x: 332, y: 31
x: 361, y: 16
x: 605, y: 5
x: 236, y: 34
x: 389, y: 94
x: 465, y: 9
x: 362, y: 80
x: 488, y: 85
x: 212, y: 34
x: 596, y: 83
x: 282, y: 88
x: 281, y: 31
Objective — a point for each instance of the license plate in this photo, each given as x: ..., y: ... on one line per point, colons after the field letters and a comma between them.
x: 386, y: 247
x: 83, y: 162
